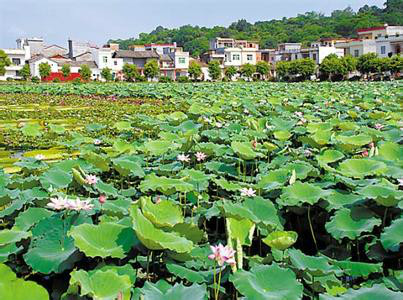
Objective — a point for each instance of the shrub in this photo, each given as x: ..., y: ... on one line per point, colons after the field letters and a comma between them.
x: 165, y: 79
x: 35, y: 79
x: 183, y: 79
x: 56, y: 80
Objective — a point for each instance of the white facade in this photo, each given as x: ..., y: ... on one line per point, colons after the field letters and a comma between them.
x: 104, y: 59
x: 34, y: 66
x: 389, y: 46
x: 18, y: 58
x: 356, y: 48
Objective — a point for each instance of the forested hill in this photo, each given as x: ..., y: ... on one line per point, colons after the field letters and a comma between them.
x: 304, y: 28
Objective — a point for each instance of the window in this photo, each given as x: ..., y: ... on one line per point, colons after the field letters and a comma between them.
x: 115, y: 62
x: 236, y: 57
x: 105, y: 59
x: 182, y: 60
x: 383, y: 49
x: 314, y: 56
x: 16, y: 61
x: 356, y: 53
x: 249, y: 57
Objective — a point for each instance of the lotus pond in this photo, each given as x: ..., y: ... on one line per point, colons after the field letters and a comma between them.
x: 249, y: 191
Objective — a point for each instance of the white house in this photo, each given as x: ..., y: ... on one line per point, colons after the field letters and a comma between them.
x: 387, y: 46
x: 357, y: 47
x: 39, y: 59
x: 104, y: 58
x: 18, y: 58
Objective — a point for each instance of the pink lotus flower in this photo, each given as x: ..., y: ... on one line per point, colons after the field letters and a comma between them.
x: 307, y: 152
x: 299, y: 114
x: 200, y: 156
x: 222, y: 255
x: 400, y: 182
x: 102, y: 199
x: 91, y: 179
x: 97, y: 142
x: 183, y: 158
x: 58, y: 203
x: 248, y: 192
x: 365, y: 153
x: 218, y: 125
x: 78, y: 205
x: 254, y: 144
x: 378, y: 126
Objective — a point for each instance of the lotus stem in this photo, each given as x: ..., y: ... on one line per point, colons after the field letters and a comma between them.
x: 310, y: 226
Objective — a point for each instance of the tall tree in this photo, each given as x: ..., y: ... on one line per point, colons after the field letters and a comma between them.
x: 66, y: 70
x: 214, y: 69
x: 85, y: 72
x: 247, y: 70
x: 4, y: 62
x: 44, y: 70
x: 25, y: 72
x: 263, y: 68
x: 130, y: 72
x: 195, y: 70
x: 151, y: 69
x: 230, y: 72
x: 106, y: 74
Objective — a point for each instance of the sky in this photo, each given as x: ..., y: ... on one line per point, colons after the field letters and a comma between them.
x: 98, y: 21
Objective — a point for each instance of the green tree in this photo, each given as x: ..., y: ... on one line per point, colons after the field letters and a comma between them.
x: 214, y: 69
x: 332, y: 67
x: 66, y: 70
x: 4, y: 62
x: 130, y: 72
x: 263, y: 68
x: 230, y: 72
x: 350, y: 63
x: 195, y: 70
x: 304, y: 68
x: 151, y: 69
x: 44, y: 70
x: 396, y: 64
x: 85, y: 72
x: 367, y: 63
x: 283, y: 70
x: 25, y: 72
x: 106, y: 74
x: 247, y: 70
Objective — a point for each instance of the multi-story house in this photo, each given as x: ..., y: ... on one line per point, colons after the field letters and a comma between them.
x: 18, y: 58
x: 373, y: 40
x: 387, y: 46
x: 231, y: 52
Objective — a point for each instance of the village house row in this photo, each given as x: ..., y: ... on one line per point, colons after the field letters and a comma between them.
x: 386, y: 41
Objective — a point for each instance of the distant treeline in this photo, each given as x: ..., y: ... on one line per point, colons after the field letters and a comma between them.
x: 304, y: 28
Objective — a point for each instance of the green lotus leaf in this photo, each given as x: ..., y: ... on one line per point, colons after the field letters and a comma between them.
x: 355, y: 140
x: 7, y: 250
x: 322, y: 137
x: 281, y: 240
x: 300, y: 193
x: 176, y: 292
x: 159, y: 147
x: 274, y: 179
x: 383, y: 194
x: 127, y: 166
x: 302, y: 169
x: 164, y: 185
x: 392, y: 236
x: 244, y: 150
x: 106, y: 188
x: 13, y: 288
x: 190, y: 231
x: 58, y: 129
x: 188, y: 274
x: 8, y: 236
x: 338, y: 199
x: 330, y: 156
x: 315, y: 265
x: 241, y: 230
x: 56, y: 178
x: 123, y: 126
x: 157, y: 239
x: 163, y: 214
x: 103, y: 240
x: 30, y: 217
x: 351, y: 223
x: 282, y: 135
x: 227, y: 185
x: 101, y: 285
x: 358, y: 269
x: 99, y: 161
x: 267, y: 283
x: 177, y: 117
x: 51, y: 250
x: 391, y: 151
x: 376, y: 292
x: 33, y: 130
x: 360, y: 168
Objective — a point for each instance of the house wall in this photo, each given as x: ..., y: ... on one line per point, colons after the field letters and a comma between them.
x: 35, y: 66
x: 178, y: 58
